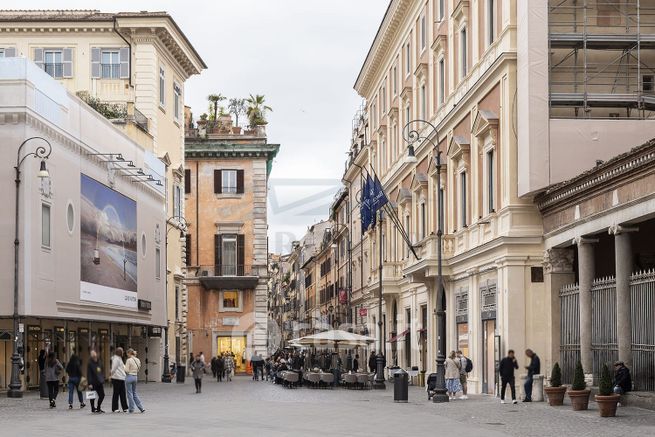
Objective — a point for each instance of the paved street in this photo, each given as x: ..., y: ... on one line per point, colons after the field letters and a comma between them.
x: 244, y: 407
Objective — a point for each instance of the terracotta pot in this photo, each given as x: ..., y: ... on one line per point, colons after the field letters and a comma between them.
x: 579, y: 399
x: 607, y: 404
x: 555, y: 395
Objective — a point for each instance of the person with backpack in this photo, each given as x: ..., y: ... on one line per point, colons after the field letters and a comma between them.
x: 52, y: 370
x: 466, y: 366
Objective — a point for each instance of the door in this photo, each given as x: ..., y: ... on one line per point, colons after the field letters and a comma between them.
x: 236, y: 345
x: 488, y: 355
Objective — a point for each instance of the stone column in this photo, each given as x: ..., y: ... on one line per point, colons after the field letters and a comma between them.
x: 586, y: 273
x: 623, y: 265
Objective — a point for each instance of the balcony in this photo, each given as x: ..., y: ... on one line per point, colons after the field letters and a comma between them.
x: 223, y: 277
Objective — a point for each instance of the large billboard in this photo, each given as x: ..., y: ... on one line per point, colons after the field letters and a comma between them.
x: 108, y: 240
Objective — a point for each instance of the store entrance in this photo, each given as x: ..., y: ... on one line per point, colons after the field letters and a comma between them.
x: 488, y: 356
x: 236, y: 345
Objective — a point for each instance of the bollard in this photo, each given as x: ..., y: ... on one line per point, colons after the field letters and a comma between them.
x: 179, y: 375
x: 400, y: 389
x: 538, y: 388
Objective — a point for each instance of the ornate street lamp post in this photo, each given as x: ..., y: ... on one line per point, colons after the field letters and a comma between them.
x: 42, y: 153
x: 182, y: 226
x: 379, y: 358
x: 412, y: 135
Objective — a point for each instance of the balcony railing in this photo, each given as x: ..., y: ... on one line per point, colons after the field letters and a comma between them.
x: 222, y: 277
x: 224, y: 270
x: 140, y: 120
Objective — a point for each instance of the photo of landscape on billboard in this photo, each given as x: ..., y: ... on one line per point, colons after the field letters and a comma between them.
x: 108, y: 238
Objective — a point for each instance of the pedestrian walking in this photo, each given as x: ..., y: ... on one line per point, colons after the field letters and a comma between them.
x: 452, y: 375
x: 132, y: 367
x: 229, y: 367
x: 52, y: 370
x: 74, y: 372
x: 465, y: 367
x: 371, y: 362
x: 506, y: 371
x: 96, y: 379
x: 356, y: 363
x: 198, y: 369
x: 534, y: 368
x: 118, y: 381
x: 220, y: 368
x: 213, y: 366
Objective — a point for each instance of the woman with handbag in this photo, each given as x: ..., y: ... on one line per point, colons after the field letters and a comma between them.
x: 52, y: 369
x: 198, y: 369
x: 74, y: 371
x: 118, y: 381
x: 132, y: 367
x: 96, y: 379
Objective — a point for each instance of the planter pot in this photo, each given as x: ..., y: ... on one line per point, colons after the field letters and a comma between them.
x: 555, y: 395
x: 607, y: 404
x: 579, y: 399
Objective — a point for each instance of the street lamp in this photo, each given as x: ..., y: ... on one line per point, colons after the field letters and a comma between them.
x: 42, y: 153
x: 412, y: 136
x: 182, y: 226
x: 378, y: 383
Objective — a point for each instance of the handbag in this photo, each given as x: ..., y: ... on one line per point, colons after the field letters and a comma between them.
x: 83, y: 384
x: 90, y: 395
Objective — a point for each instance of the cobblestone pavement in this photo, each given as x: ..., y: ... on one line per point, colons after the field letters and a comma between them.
x: 244, y: 407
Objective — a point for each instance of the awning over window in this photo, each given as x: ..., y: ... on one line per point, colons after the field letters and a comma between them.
x: 400, y: 336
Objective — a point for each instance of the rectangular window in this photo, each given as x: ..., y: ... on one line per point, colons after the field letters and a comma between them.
x: 395, y: 80
x: 408, y: 60
x: 177, y: 302
x: 424, y: 102
x: 463, y: 52
x: 383, y: 97
x: 462, y: 178
x: 53, y: 63
x: 491, y: 19
x: 157, y: 263
x: 409, y: 232
x: 229, y: 182
x: 442, y: 9
x: 423, y: 33
x: 407, y: 113
x: 231, y: 300
x: 647, y: 83
x: 229, y: 254
x: 490, y: 181
x: 45, y: 225
x: 177, y: 101
x: 110, y: 64
x: 177, y: 201
x: 424, y: 223
x: 442, y: 80
x: 187, y: 249
x: 187, y: 181
x: 162, y: 86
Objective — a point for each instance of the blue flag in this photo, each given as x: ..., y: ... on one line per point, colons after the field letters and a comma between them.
x: 370, y: 194
x: 365, y: 208
x: 379, y: 199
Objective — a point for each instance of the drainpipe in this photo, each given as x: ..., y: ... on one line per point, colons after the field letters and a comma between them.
x: 129, y: 45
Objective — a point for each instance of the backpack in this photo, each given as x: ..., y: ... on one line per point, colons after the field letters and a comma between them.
x: 469, y: 365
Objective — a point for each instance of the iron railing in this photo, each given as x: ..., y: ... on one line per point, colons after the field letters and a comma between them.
x: 570, y: 330
x: 224, y: 270
x: 140, y: 120
x: 642, y: 301
x: 604, y: 347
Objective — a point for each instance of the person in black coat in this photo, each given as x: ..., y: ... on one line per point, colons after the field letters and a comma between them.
x: 372, y: 366
x: 506, y: 371
x: 96, y: 379
x: 622, y: 379
x: 533, y: 369
x: 74, y: 371
x: 356, y: 363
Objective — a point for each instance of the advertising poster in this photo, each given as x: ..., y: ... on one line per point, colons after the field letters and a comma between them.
x: 108, y: 237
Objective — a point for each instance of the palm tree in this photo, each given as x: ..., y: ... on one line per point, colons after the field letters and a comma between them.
x: 213, y: 100
x: 237, y: 107
x: 257, y: 109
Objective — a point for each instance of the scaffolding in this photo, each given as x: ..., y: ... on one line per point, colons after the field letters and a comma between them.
x: 602, y: 58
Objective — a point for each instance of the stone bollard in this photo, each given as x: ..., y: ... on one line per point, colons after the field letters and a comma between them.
x: 538, y: 388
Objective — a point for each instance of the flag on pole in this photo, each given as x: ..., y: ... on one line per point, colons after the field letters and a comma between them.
x: 379, y: 198
x: 365, y: 208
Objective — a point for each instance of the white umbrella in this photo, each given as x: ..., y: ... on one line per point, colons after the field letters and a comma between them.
x: 335, y: 337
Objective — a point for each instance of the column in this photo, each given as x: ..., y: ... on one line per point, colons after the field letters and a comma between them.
x: 623, y: 266
x: 586, y: 274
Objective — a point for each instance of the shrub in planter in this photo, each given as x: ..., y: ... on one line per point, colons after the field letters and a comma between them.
x: 555, y: 391
x: 579, y: 393
x: 606, y: 399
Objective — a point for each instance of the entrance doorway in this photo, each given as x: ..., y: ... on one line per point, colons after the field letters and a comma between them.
x: 488, y: 356
x: 236, y: 345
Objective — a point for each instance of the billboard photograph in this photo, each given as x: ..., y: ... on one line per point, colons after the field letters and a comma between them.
x: 108, y: 239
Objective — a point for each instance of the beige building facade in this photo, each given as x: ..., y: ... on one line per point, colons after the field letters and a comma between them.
x: 132, y: 66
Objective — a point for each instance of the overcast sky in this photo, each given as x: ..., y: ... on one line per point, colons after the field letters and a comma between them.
x: 303, y: 55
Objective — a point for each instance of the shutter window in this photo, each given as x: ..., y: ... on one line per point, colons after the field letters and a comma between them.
x: 239, y: 181
x: 187, y: 181
x: 10, y: 52
x: 95, y: 62
x: 125, y: 62
x: 241, y: 252
x: 38, y: 57
x: 218, y: 254
x: 187, y: 249
x: 218, y: 182
x: 67, y: 57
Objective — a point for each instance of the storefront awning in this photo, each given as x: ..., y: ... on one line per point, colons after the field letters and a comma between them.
x: 400, y: 336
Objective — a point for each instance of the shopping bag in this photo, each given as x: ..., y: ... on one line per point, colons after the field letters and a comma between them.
x: 90, y: 394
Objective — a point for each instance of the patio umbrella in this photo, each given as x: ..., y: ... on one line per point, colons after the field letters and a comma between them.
x: 335, y: 337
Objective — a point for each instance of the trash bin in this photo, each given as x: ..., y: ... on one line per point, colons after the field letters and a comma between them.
x: 179, y: 375
x: 400, y: 381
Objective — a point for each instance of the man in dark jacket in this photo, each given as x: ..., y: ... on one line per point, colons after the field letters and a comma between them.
x: 533, y: 369
x: 506, y: 370
x: 372, y: 366
x: 96, y: 379
x: 622, y: 379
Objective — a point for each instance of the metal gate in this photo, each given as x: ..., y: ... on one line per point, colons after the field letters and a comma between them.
x: 570, y: 330
x: 604, y: 346
x: 642, y: 299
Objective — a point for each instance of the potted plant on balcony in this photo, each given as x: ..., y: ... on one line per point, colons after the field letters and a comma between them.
x: 579, y: 393
x: 606, y: 399
x: 556, y: 390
